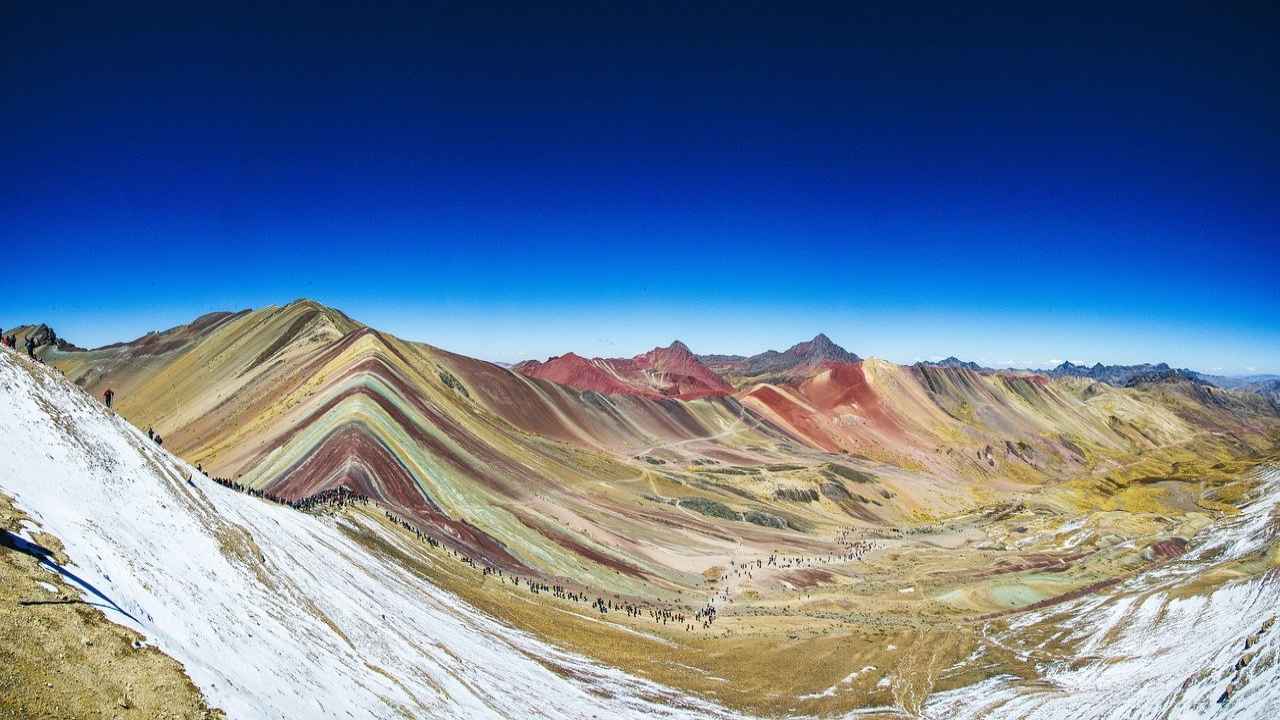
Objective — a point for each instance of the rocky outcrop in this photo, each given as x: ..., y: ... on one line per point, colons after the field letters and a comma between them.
x: 44, y: 337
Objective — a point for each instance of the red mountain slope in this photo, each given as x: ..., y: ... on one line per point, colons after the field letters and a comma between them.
x: 671, y: 372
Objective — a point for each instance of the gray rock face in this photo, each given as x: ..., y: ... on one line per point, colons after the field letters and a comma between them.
x: 808, y: 354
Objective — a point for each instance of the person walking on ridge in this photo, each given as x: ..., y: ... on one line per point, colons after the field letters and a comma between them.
x: 107, y: 395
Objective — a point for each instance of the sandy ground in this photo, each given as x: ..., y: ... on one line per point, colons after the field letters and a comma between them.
x: 61, y: 658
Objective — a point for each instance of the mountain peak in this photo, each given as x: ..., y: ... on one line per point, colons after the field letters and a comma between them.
x: 796, y: 359
x: 820, y: 349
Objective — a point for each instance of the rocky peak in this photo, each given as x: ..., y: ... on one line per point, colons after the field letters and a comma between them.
x: 43, y: 336
x: 821, y: 349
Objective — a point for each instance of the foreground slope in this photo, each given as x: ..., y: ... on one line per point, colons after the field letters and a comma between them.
x: 61, y: 657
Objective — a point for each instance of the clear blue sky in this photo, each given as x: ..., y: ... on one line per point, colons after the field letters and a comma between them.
x: 1009, y: 188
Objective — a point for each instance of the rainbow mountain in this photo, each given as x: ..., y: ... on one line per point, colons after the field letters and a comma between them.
x: 655, y: 480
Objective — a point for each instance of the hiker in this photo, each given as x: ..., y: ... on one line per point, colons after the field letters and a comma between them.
x: 151, y: 435
x: 31, y: 347
x: 107, y: 395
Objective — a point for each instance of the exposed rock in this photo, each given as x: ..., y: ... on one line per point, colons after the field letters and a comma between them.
x: 794, y: 360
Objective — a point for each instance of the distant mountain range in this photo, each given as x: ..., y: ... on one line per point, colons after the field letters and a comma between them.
x: 1122, y: 375
x: 1130, y: 375
x: 955, y: 362
x: 1269, y: 389
x: 1243, y: 382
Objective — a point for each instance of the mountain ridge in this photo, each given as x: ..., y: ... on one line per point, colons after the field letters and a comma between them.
x: 1122, y: 375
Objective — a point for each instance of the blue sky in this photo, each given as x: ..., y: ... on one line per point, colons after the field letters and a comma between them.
x: 1010, y: 188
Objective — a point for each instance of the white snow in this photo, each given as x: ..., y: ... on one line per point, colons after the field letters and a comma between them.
x: 1153, y: 652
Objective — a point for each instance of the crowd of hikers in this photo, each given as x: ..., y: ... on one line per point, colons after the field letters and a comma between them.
x: 852, y: 548
x: 336, y: 497
x: 603, y: 604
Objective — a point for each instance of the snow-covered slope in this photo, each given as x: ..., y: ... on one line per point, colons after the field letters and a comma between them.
x: 1195, y: 638
x: 274, y: 613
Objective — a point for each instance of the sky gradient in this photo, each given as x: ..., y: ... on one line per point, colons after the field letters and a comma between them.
x: 1013, y: 189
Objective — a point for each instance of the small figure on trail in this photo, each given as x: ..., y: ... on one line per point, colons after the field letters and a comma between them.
x: 31, y: 347
x: 151, y: 435
x: 107, y: 395
x: 159, y: 440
